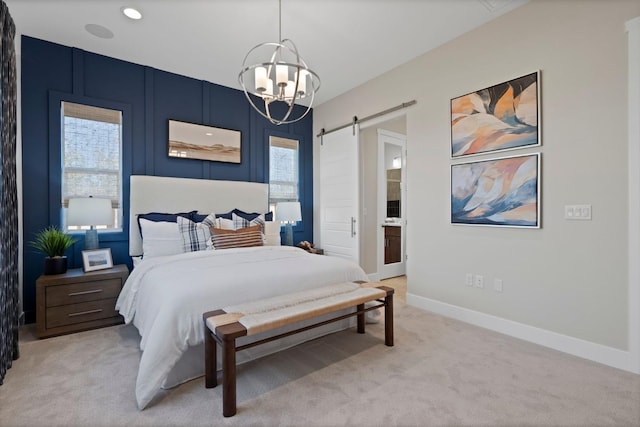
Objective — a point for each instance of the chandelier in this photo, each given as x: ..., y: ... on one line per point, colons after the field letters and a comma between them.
x: 280, y: 81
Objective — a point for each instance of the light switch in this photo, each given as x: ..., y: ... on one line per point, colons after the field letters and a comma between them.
x: 568, y: 211
x: 585, y: 212
x: 577, y: 212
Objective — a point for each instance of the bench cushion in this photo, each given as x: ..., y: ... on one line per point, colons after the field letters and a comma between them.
x: 271, y: 313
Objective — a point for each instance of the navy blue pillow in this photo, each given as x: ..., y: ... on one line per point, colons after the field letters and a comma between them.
x: 196, y: 217
x: 251, y: 216
x: 166, y: 217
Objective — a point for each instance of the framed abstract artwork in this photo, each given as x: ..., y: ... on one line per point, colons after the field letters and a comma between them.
x: 501, y: 117
x: 499, y: 192
x: 192, y: 141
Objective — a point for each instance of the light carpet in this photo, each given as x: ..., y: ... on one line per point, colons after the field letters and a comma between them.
x: 441, y: 372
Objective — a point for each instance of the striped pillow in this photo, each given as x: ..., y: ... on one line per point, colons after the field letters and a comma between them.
x: 242, y: 238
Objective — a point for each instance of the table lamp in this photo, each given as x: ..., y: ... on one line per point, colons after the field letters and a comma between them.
x: 90, y: 211
x: 288, y: 213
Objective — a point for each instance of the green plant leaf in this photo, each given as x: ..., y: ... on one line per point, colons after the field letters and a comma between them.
x: 53, y: 241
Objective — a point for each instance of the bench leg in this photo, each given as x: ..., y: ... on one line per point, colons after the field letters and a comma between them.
x: 388, y: 320
x: 361, y: 318
x: 229, y: 377
x: 210, y: 359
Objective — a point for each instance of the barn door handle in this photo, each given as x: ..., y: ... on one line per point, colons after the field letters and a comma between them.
x: 353, y: 227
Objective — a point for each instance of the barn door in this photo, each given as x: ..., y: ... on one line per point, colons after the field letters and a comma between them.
x: 339, y: 194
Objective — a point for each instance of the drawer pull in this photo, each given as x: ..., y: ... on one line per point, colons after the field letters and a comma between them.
x: 95, y: 291
x: 85, y: 312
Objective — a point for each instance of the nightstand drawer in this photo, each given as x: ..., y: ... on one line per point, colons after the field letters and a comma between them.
x: 82, y: 292
x: 83, y: 312
x: 78, y: 301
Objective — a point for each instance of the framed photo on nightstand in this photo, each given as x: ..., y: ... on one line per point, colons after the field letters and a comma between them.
x: 96, y: 259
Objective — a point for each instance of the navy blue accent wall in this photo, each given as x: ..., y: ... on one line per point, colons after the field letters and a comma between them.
x: 148, y: 98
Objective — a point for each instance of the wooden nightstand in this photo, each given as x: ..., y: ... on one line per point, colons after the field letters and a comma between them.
x: 77, y: 301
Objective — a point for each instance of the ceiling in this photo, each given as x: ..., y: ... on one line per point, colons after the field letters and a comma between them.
x: 346, y: 42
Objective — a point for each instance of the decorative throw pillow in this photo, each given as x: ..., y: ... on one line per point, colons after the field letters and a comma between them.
x: 198, y: 217
x: 163, y: 217
x: 242, y: 238
x: 194, y: 235
x: 240, y: 222
x: 267, y: 216
x: 272, y: 233
x: 159, y: 238
x: 225, y: 224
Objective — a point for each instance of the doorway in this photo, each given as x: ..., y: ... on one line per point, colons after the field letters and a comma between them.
x: 391, y: 211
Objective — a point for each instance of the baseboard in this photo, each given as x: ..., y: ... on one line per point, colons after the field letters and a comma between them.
x: 374, y: 277
x: 577, y: 347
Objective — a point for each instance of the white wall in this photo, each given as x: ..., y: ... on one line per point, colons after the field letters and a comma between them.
x: 570, y: 278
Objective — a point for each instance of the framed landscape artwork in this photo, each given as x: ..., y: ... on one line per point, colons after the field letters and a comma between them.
x: 498, y: 192
x: 500, y: 117
x: 96, y: 259
x: 192, y: 141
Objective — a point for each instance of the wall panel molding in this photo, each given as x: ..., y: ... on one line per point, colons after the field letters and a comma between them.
x: 152, y: 97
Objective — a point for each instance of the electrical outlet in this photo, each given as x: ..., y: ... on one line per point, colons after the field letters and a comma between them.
x: 468, y: 280
x: 497, y: 285
x: 479, y: 281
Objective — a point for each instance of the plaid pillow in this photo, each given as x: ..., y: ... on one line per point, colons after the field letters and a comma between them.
x: 194, y: 235
x: 242, y: 238
x: 240, y: 222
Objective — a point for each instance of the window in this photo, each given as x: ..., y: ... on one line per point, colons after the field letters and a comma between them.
x: 283, y: 170
x: 91, y: 158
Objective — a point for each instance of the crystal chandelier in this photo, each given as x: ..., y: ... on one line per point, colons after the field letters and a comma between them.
x: 275, y: 84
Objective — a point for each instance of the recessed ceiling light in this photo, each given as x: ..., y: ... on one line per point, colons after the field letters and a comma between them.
x: 209, y: 134
x: 132, y: 13
x: 99, y: 31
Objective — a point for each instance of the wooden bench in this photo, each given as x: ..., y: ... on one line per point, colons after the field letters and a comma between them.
x: 225, y: 326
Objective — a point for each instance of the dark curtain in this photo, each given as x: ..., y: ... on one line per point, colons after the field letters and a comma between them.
x: 9, y: 303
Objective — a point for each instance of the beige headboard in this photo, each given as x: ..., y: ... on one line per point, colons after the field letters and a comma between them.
x: 170, y: 195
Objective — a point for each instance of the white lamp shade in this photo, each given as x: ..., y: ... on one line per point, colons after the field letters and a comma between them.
x: 288, y: 212
x: 89, y: 211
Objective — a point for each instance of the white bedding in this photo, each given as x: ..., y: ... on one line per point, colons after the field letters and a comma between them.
x: 165, y: 297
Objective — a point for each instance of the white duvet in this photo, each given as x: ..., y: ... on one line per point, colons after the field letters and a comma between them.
x: 165, y: 297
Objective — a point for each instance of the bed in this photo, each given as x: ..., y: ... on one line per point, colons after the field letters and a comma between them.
x: 165, y: 296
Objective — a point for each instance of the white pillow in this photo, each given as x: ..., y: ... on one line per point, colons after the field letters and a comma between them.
x: 272, y: 233
x: 224, y: 223
x: 160, y: 238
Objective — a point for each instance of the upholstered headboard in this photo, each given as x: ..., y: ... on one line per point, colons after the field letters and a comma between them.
x: 170, y: 195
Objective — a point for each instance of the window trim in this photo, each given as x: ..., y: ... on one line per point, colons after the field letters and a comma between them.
x: 110, y: 116
x: 300, y: 225
x: 55, y: 157
x: 297, y: 166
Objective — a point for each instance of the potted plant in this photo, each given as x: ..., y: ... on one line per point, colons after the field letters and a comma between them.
x: 53, y: 242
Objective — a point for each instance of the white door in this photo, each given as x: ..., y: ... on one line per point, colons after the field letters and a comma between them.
x: 339, y: 194
x: 392, y: 196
